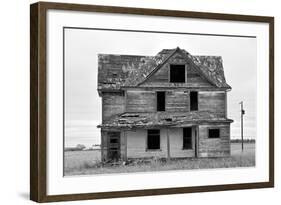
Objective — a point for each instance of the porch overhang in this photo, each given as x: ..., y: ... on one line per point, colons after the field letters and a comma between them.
x: 162, y: 120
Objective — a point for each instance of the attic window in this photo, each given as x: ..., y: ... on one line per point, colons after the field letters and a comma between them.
x: 214, y: 133
x: 177, y: 73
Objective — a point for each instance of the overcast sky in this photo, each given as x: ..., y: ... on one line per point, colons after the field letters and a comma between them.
x: 83, y: 105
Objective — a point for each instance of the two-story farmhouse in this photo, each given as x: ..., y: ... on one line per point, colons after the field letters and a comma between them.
x: 170, y: 105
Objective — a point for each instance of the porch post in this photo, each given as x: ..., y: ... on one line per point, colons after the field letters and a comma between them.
x: 168, y: 145
x: 196, y: 140
x: 125, y: 144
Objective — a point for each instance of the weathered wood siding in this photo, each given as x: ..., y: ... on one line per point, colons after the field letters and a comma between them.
x: 177, y: 101
x: 212, y: 101
x: 176, y: 144
x: 133, y: 143
x: 104, y: 145
x: 113, y: 103
x: 140, y: 101
x: 137, y: 144
x: 214, y: 147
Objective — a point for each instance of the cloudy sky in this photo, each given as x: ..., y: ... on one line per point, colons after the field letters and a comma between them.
x: 83, y: 105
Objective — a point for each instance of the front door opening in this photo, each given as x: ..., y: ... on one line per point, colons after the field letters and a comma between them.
x: 114, y: 145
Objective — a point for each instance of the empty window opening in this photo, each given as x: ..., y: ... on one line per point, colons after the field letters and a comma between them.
x: 187, y: 138
x: 193, y: 100
x: 153, y: 139
x: 177, y: 73
x: 161, y: 101
x: 169, y: 119
x: 114, y: 140
x: 214, y: 133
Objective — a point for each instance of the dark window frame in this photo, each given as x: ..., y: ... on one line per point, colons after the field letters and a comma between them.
x: 193, y: 107
x: 160, y: 108
x: 184, y: 145
x: 219, y: 133
x: 171, y: 78
x: 151, y: 134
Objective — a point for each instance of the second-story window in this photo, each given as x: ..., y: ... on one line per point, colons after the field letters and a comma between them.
x: 161, y: 101
x: 193, y: 100
x: 177, y: 73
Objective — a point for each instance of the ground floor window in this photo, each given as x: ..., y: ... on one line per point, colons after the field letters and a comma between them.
x: 187, y: 138
x: 214, y: 133
x: 153, y: 139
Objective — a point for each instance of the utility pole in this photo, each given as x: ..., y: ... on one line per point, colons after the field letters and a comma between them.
x: 242, y: 113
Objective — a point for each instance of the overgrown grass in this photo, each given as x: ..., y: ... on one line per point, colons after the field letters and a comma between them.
x: 87, y: 163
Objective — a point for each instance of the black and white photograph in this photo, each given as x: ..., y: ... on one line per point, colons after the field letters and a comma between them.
x: 130, y: 102
x: 154, y: 101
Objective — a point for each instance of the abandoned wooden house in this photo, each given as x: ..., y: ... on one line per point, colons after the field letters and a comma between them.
x: 171, y: 105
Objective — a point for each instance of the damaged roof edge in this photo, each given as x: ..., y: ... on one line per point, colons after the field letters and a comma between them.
x: 171, y: 124
x: 140, y: 119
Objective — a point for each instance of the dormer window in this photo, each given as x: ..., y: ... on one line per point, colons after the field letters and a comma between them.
x: 177, y: 73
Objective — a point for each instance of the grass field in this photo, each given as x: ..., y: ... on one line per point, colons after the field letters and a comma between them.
x: 88, y: 162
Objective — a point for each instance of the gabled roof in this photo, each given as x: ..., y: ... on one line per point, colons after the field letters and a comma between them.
x: 117, y: 71
x: 158, y: 119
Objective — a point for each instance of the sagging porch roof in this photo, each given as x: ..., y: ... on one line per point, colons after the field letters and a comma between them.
x: 162, y: 119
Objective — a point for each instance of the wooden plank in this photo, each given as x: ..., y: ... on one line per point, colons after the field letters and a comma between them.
x: 112, y: 104
x: 213, y: 102
x: 141, y: 101
x: 196, y: 141
x: 168, y: 145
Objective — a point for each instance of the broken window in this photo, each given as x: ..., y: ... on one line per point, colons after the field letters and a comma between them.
x: 214, y: 133
x: 153, y: 139
x: 187, y: 138
x: 160, y: 101
x: 177, y: 73
x: 193, y: 100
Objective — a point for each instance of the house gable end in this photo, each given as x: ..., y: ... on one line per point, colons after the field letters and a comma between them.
x: 116, y: 72
x: 161, y: 75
